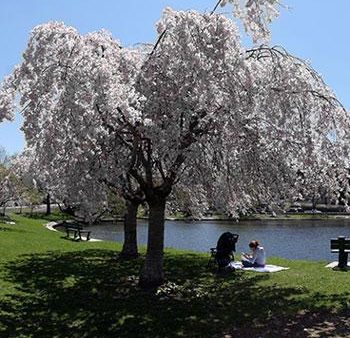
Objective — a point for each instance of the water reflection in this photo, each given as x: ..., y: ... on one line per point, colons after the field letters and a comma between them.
x: 293, y: 239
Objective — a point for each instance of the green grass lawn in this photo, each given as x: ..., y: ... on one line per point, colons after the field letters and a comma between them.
x: 54, y: 287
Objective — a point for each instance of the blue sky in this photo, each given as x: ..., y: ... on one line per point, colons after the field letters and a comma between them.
x: 311, y: 29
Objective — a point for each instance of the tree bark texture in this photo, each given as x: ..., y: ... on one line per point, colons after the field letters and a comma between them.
x: 129, y: 250
x: 152, y: 274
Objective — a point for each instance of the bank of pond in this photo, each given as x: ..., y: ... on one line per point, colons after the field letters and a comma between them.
x: 305, y: 239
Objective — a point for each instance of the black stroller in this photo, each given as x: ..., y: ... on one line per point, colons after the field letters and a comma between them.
x: 222, y: 255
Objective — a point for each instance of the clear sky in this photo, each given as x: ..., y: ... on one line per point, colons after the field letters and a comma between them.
x: 316, y: 30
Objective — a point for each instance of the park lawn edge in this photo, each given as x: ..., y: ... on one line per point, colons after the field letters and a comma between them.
x: 306, y: 287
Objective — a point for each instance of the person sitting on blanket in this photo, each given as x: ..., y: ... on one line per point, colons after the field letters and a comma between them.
x: 255, y: 260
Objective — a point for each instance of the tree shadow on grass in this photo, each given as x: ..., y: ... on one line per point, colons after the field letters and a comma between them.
x: 92, y: 293
x: 9, y: 229
x: 5, y: 229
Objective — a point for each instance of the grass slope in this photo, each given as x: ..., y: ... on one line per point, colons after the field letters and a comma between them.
x: 54, y: 287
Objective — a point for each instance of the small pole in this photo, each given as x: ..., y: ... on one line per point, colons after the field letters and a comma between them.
x: 343, y: 256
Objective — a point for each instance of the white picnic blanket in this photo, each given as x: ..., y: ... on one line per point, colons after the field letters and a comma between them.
x: 334, y: 264
x: 266, y: 268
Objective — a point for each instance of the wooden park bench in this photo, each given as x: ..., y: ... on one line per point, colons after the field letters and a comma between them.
x: 341, y: 245
x: 77, y: 231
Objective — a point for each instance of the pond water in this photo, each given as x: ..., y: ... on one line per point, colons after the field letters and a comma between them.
x: 292, y: 239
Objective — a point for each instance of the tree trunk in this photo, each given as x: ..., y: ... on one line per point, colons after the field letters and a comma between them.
x: 152, y: 271
x: 48, y: 204
x: 314, y: 202
x: 129, y: 250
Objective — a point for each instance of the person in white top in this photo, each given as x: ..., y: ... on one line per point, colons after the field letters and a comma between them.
x: 257, y: 258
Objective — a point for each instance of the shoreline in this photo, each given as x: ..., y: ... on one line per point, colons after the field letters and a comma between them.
x: 257, y: 217
x: 251, y: 218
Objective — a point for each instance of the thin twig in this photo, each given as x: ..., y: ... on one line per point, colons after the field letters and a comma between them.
x: 159, y: 40
x: 216, y: 6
